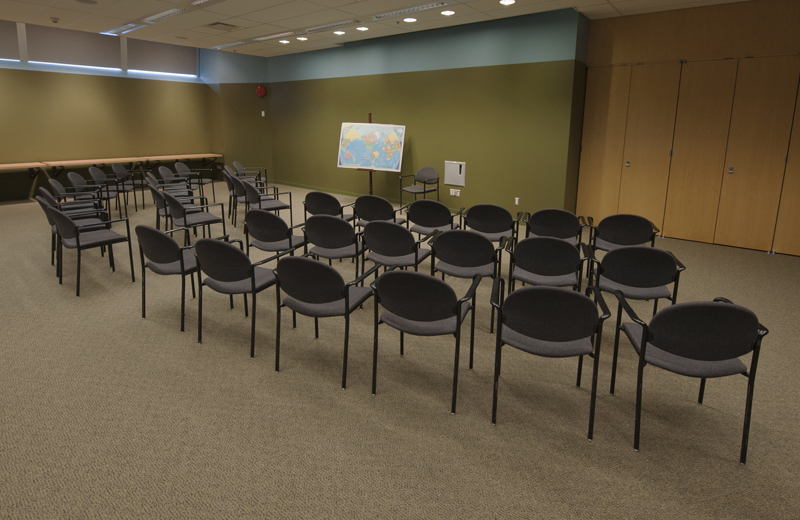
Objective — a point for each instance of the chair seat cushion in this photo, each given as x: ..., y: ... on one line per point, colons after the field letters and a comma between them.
x: 681, y: 365
x: 189, y: 265
x: 264, y: 278
x: 494, y: 237
x: 280, y: 245
x: 397, y: 220
x: 399, y: 261
x: 418, y: 189
x: 634, y: 293
x: 465, y: 272
x: 425, y: 328
x: 610, y: 246
x: 338, y: 252
x: 580, y: 347
x: 94, y: 239
x: 569, y: 240
x: 201, y: 218
x: 358, y: 295
x: 562, y: 280
x: 269, y: 204
x: 422, y: 230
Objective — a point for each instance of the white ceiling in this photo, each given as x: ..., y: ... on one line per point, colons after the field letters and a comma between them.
x: 255, y: 18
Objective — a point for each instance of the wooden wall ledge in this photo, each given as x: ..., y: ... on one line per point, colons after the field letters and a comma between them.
x: 147, y: 161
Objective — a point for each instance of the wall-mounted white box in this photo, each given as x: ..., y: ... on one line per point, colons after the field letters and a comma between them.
x: 454, y: 173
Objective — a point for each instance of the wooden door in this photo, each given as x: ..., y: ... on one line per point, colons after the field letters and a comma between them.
x: 787, y: 230
x: 763, y: 107
x: 705, y: 102
x: 605, y: 113
x: 648, y: 140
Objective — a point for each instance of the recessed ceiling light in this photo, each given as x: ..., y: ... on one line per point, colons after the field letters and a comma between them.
x: 302, y: 38
x: 448, y: 13
x: 283, y: 41
x: 338, y: 33
x: 508, y: 2
x: 362, y: 28
x: 409, y: 20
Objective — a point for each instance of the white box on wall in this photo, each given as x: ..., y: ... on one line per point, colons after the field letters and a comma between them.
x: 454, y: 173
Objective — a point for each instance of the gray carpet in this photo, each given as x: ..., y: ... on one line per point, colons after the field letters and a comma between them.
x: 104, y: 414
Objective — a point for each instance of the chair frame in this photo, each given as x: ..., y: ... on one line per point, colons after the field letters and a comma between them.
x: 424, y: 190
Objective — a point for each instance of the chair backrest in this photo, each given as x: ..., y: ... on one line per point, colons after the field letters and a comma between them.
x: 427, y: 175
x: 550, y: 314
x: 176, y: 209
x: 166, y: 173
x: 48, y: 197
x: 158, y: 197
x: 182, y: 167
x: 57, y: 187
x: 626, y: 230
x: 489, y: 218
x: 706, y: 331
x: 252, y: 193
x: 238, y: 167
x: 309, y: 280
x: 45, y: 205
x: 639, y: 266
x: 321, y: 203
x: 152, y: 178
x: 229, y: 170
x: 238, y: 186
x: 330, y: 232
x: 416, y: 296
x: 429, y: 213
x: 388, y: 238
x: 76, y: 180
x: 65, y: 225
x: 546, y: 256
x: 553, y: 222
x: 227, y: 177
x: 372, y: 208
x: 97, y: 175
x: 222, y: 261
x: 463, y: 248
x: 265, y: 226
x: 157, y: 246
x: 120, y: 171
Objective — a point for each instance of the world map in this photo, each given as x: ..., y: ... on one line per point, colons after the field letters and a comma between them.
x: 371, y: 146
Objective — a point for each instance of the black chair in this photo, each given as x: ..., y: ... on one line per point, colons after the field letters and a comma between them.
x: 109, y: 188
x: 697, y: 339
x: 465, y: 254
x: 258, y: 200
x: 493, y: 222
x: 423, y: 180
x: 321, y: 203
x: 79, y: 205
x: 193, y: 216
x: 160, y: 253
x: 195, y: 178
x: 82, y: 216
x: 550, y: 322
x: 127, y: 183
x: 73, y: 235
x: 392, y: 245
x: 371, y: 208
x: 250, y: 171
x: 555, y: 223
x: 422, y: 305
x: 65, y: 193
x: 639, y: 273
x: 229, y: 271
x: 101, y: 191
x: 428, y: 216
x: 332, y: 238
x: 175, y: 186
x: 546, y: 261
x: 319, y: 291
x: 270, y: 232
x: 622, y: 230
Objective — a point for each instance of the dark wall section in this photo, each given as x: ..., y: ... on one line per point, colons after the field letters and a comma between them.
x: 517, y: 127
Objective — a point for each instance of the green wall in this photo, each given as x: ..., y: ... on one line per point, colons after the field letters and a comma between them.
x: 517, y: 127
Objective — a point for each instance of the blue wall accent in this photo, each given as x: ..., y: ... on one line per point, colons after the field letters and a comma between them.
x: 552, y: 36
x: 218, y: 67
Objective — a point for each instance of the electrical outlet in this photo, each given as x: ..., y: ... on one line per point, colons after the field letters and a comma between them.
x: 263, y: 113
x: 452, y: 192
x: 458, y: 193
x: 516, y: 201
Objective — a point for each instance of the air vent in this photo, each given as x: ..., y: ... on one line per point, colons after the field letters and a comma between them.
x: 330, y: 26
x: 415, y: 9
x: 160, y: 16
x: 219, y: 26
x: 273, y: 36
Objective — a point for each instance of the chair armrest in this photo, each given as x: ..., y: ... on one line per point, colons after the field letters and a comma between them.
x: 273, y: 257
x: 459, y: 212
x: 426, y: 237
x: 176, y: 229
x: 363, y: 276
x: 655, y: 229
x: 583, y: 220
x: 476, y: 280
x: 588, y: 251
x: 498, y: 289
x: 405, y: 176
x: 681, y: 267
x: 599, y: 300
x: 404, y: 206
x: 374, y: 285
x: 628, y: 310
x: 433, y: 236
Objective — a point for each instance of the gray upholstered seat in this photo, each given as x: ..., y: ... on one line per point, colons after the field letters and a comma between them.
x: 491, y: 221
x: 160, y: 253
x: 193, y: 216
x: 426, y: 216
x: 423, y: 183
x: 195, y: 178
x: 550, y: 322
x: 319, y: 291
x: 420, y: 304
x: 257, y: 200
x: 697, y: 339
x: 229, y: 271
x: 333, y: 238
x: 81, y: 217
x: 623, y: 230
x: 563, y: 280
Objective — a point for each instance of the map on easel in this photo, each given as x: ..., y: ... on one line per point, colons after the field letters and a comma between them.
x: 369, y: 146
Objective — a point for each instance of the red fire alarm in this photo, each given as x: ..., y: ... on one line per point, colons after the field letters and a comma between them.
x: 261, y: 91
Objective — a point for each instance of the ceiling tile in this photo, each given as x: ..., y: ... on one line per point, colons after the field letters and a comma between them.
x: 17, y: 11
x: 318, y: 18
x: 370, y: 7
x: 65, y: 17
x: 72, y: 5
x: 284, y: 11
x: 135, y: 9
x: 96, y: 23
x: 182, y: 37
x: 192, y: 19
x: 255, y: 32
x: 242, y: 7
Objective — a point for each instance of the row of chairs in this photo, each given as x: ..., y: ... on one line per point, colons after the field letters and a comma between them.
x: 612, y: 274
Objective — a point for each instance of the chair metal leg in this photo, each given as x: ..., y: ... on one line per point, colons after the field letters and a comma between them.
x: 455, y: 370
x: 472, y: 330
x: 143, y: 295
x: 183, y: 297
x: 78, y: 284
x: 593, y: 398
x: 346, y: 344
x: 402, y: 351
x: 748, y: 409
x: 253, y: 329
x: 278, y: 331
x: 638, y: 426
x: 199, y: 308
x: 316, y: 328
x: 375, y: 348
x: 580, y: 370
x: 497, y: 359
x: 616, y: 350
x: 702, y: 390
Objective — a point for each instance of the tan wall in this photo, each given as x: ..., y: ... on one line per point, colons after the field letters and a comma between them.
x: 245, y: 132
x: 755, y: 28
x: 517, y: 128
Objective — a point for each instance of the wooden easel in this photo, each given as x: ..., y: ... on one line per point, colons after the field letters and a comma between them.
x: 364, y: 169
